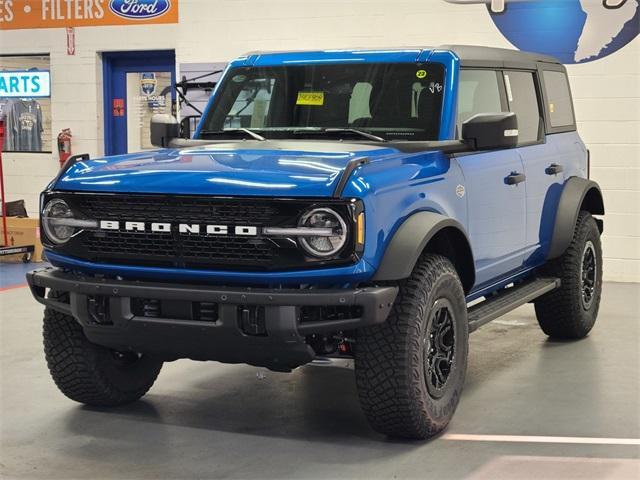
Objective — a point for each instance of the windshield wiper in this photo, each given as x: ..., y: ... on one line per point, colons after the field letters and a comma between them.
x: 246, y: 131
x: 362, y: 133
x: 354, y: 131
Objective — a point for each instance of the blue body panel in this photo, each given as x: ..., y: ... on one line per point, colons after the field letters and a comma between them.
x: 359, y: 272
x: 509, y: 226
x: 301, y: 169
x: 496, y: 211
x: 426, y: 180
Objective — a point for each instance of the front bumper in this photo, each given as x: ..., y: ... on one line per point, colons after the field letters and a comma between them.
x: 262, y: 327
x: 358, y: 272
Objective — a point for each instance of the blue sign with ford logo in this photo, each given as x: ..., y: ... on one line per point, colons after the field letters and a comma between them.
x: 140, y: 9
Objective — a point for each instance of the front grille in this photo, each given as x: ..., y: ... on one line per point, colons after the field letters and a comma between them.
x: 139, y: 248
x: 171, y: 208
x: 197, y: 251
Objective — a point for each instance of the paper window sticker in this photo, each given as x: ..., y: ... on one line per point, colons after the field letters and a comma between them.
x: 310, y: 98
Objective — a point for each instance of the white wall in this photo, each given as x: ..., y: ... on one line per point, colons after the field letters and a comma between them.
x: 606, y: 92
x: 76, y: 94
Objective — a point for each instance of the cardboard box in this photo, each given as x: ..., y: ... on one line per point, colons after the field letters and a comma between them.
x: 22, y: 232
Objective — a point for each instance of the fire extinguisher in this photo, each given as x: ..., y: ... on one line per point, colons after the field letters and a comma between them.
x: 64, y: 145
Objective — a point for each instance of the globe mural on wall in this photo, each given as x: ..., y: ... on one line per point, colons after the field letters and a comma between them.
x: 574, y: 31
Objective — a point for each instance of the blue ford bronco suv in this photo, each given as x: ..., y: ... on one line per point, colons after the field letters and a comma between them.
x: 374, y: 204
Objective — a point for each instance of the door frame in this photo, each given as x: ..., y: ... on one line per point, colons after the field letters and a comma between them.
x: 115, y: 66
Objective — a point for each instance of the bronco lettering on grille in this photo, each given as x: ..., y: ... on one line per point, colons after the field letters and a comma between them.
x: 186, y: 228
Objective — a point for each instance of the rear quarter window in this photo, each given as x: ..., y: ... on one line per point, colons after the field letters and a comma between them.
x: 559, y: 103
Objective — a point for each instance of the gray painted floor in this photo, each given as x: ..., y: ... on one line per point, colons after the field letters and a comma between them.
x: 207, y: 420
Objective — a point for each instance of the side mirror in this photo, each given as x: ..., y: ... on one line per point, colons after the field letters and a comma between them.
x: 164, y: 128
x: 490, y: 131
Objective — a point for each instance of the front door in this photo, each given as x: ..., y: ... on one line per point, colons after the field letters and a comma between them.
x: 497, y: 220
x: 136, y: 86
x: 496, y: 203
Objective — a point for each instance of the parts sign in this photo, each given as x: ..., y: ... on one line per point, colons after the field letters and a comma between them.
x: 31, y: 84
x: 19, y: 14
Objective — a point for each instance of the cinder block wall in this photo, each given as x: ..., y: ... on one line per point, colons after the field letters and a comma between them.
x: 606, y: 92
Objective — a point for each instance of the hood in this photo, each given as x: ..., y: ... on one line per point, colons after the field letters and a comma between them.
x: 245, y: 168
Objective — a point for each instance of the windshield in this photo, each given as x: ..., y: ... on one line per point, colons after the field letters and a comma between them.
x: 393, y: 101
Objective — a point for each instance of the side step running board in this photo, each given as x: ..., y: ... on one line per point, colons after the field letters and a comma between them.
x: 509, y: 299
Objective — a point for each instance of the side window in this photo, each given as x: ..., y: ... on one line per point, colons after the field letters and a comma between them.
x: 251, y: 106
x: 560, y: 108
x: 478, y: 92
x: 523, y: 101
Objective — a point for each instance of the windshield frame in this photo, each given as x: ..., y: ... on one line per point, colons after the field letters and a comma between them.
x: 334, y: 132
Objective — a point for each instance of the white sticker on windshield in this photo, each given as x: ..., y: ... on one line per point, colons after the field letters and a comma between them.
x: 435, y: 87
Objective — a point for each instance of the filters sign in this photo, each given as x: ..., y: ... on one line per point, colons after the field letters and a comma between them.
x: 19, y: 14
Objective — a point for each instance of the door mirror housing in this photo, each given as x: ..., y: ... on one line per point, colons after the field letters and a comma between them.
x: 491, y: 131
x: 164, y: 129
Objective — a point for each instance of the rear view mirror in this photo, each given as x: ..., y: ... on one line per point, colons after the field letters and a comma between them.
x: 489, y: 131
x: 164, y: 129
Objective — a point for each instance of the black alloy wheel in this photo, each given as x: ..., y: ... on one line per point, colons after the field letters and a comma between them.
x: 439, y: 347
x: 588, y: 269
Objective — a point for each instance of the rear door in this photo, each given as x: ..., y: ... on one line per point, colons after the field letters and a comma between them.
x: 543, y: 166
x: 496, y: 224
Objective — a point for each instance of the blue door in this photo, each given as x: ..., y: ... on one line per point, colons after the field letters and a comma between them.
x: 544, y: 162
x: 497, y: 213
x: 496, y: 209
x: 136, y: 86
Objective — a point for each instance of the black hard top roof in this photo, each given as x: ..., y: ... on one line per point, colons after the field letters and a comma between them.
x: 475, y: 56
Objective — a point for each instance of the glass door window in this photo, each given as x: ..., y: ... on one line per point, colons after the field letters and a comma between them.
x: 148, y: 93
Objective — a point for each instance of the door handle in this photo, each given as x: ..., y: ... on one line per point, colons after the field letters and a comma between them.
x: 515, y: 178
x: 553, y: 169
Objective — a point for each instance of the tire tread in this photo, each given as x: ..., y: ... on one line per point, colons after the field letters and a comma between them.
x: 75, y: 366
x: 387, y: 354
x: 560, y: 313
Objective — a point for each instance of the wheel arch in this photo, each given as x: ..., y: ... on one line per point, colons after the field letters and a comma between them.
x: 427, y: 232
x: 578, y: 194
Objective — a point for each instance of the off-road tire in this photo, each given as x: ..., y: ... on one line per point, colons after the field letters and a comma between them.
x: 389, y: 358
x: 562, y: 313
x: 89, y: 373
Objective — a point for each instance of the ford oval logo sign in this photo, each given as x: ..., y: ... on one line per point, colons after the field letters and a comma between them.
x: 139, y: 9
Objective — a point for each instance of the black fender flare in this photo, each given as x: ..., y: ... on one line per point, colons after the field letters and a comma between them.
x: 410, y: 240
x: 577, y: 194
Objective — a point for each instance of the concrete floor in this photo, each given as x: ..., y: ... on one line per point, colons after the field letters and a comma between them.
x: 207, y: 420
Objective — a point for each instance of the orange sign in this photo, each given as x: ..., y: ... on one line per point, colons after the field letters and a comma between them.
x: 18, y: 14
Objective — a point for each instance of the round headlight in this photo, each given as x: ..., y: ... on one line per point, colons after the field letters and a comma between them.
x: 57, y: 231
x: 323, y: 246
